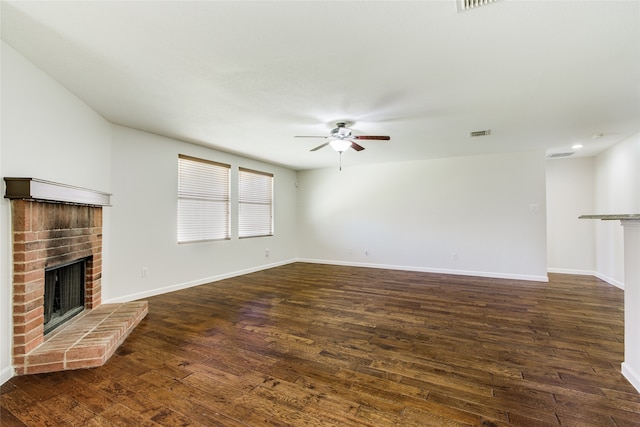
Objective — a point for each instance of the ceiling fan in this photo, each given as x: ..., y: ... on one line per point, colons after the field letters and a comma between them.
x: 341, y: 139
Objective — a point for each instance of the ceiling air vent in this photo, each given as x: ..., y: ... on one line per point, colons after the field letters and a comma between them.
x: 471, y: 4
x: 480, y: 133
x: 558, y: 155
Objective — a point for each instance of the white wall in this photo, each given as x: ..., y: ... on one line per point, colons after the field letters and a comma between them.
x: 617, y: 191
x: 570, y: 193
x: 143, y: 220
x: 417, y: 215
x: 50, y: 134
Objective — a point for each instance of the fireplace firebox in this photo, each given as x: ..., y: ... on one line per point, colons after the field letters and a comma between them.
x: 63, y: 293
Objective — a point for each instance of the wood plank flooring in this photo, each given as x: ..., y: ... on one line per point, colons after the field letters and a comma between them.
x: 320, y: 345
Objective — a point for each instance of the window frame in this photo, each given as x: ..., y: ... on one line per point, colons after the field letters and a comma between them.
x: 244, y: 200
x: 191, y: 194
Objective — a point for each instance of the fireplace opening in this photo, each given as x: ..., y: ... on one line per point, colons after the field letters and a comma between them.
x: 63, y: 293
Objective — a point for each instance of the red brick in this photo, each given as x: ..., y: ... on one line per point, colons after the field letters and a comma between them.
x: 30, y: 246
x: 29, y: 337
x: 32, y: 345
x: 24, y: 236
x: 22, y: 328
x: 23, y: 256
x: 86, y: 363
x: 34, y: 334
x: 41, y: 369
x: 21, y: 215
x: 86, y: 352
x: 29, y: 276
x: 24, y: 267
x: 35, y: 215
x: 25, y: 298
x: 23, y: 288
x: 95, y: 302
x: 41, y: 358
x: 18, y: 359
x: 27, y: 316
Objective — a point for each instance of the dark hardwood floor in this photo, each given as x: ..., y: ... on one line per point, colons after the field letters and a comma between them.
x: 318, y: 345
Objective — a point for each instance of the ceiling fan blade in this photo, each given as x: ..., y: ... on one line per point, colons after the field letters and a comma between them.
x: 375, y: 137
x: 308, y: 136
x: 320, y: 146
x: 356, y: 146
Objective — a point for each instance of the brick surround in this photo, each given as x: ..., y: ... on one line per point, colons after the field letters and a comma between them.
x: 45, y: 235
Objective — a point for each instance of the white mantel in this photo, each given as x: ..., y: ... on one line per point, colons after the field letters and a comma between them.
x: 631, y: 224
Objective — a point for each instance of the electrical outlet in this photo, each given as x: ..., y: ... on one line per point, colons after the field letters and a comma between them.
x: 267, y: 252
x: 454, y: 256
x: 144, y: 272
x: 366, y: 252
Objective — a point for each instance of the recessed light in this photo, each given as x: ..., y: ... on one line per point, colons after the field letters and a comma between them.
x: 577, y: 146
x: 597, y: 135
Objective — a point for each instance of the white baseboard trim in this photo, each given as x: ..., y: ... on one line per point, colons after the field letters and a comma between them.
x: 610, y: 280
x: 6, y: 374
x: 631, y: 375
x: 492, y: 275
x: 185, y: 285
x: 571, y: 271
x: 607, y: 279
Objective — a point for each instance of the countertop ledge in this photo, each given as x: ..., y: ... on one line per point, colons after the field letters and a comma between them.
x: 608, y: 217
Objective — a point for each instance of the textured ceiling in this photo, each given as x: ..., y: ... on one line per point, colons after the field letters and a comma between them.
x: 245, y: 77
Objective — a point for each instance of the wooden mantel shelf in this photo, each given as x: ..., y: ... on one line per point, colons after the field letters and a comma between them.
x: 610, y: 217
x: 38, y: 189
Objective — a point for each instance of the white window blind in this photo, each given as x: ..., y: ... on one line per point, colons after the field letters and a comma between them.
x: 203, y: 200
x: 255, y: 203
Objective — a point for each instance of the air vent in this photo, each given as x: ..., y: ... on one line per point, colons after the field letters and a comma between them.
x: 480, y: 133
x: 558, y: 155
x: 471, y: 4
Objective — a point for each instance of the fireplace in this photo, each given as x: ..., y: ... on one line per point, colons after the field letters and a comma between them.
x: 63, y: 294
x: 57, y: 274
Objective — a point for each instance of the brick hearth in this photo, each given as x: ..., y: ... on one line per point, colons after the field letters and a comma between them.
x: 48, y: 234
x: 88, y: 340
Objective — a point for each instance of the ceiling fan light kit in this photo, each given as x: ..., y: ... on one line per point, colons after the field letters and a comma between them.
x: 340, y: 145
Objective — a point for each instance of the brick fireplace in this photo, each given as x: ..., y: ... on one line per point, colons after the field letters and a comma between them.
x: 52, y: 225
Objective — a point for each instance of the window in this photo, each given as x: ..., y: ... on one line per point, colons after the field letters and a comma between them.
x: 255, y: 203
x: 203, y: 200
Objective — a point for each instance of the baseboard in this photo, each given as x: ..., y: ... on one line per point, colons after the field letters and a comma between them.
x: 492, y: 275
x: 610, y: 280
x: 607, y: 279
x: 185, y: 285
x: 6, y: 374
x: 631, y: 375
x: 571, y: 271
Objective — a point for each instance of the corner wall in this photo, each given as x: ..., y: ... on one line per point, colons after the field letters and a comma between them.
x: 617, y: 191
x: 570, y: 193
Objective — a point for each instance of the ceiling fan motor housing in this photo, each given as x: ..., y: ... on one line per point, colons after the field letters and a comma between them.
x: 341, y: 131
